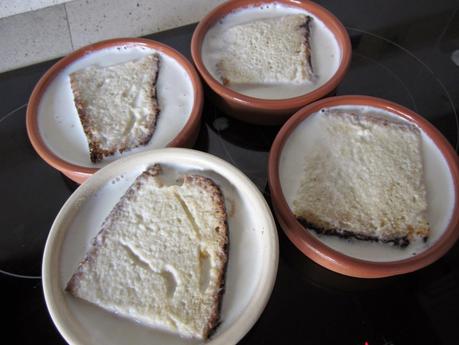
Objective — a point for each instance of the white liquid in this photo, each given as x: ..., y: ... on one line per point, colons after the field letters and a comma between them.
x: 326, y: 54
x: 60, y: 126
x: 437, y: 176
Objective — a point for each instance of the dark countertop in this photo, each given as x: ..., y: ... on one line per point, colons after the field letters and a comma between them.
x: 402, y: 51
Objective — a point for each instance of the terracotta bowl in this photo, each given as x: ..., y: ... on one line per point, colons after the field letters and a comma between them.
x: 360, y: 258
x: 268, y: 111
x: 81, y: 170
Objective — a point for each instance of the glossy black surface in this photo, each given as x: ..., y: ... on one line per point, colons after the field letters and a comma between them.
x: 402, y: 51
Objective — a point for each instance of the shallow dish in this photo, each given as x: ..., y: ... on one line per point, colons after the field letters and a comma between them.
x: 360, y: 258
x: 252, y: 233
x: 53, y: 124
x: 261, y: 110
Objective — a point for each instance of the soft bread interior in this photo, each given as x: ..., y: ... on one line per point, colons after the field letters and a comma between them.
x: 160, y: 257
x: 364, y: 178
x: 274, y: 50
x: 117, y: 104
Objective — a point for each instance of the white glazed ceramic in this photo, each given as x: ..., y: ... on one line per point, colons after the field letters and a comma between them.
x: 253, y: 251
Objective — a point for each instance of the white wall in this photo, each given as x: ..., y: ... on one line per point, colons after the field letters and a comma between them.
x: 54, y: 31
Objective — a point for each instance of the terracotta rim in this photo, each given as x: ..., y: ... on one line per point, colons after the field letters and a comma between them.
x: 337, y: 261
x: 78, y: 172
x: 324, y: 15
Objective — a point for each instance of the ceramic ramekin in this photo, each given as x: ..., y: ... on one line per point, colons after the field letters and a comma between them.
x: 336, y: 260
x: 268, y: 111
x: 79, y: 173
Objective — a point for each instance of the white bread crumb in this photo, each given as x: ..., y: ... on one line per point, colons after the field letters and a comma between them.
x: 274, y: 50
x: 364, y: 179
x: 160, y: 256
x: 117, y: 104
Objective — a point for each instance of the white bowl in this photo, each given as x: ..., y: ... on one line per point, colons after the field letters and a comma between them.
x: 252, y: 233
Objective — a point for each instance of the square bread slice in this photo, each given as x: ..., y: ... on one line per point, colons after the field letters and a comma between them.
x: 274, y: 50
x: 364, y: 179
x: 160, y: 256
x: 117, y: 105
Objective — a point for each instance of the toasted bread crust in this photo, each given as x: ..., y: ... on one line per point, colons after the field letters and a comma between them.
x: 306, y: 27
x: 219, y: 202
x: 398, y: 241
x: 96, y: 152
x: 405, y: 126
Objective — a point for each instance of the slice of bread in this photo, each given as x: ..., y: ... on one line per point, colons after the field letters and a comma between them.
x: 117, y: 105
x: 274, y: 50
x: 160, y: 256
x: 364, y: 179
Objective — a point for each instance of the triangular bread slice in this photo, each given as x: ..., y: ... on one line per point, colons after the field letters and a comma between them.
x: 273, y: 50
x: 161, y: 255
x: 117, y: 105
x: 364, y: 178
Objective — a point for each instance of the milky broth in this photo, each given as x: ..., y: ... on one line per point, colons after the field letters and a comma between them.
x: 326, y: 54
x: 58, y: 120
x: 437, y: 176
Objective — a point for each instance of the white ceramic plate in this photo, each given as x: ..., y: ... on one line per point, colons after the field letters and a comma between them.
x: 253, y: 251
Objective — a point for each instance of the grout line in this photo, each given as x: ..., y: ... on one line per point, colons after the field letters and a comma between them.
x: 5, y: 13
x: 68, y: 26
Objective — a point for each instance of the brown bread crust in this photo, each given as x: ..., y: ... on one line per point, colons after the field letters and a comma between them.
x: 399, y: 241
x: 306, y: 27
x: 219, y: 204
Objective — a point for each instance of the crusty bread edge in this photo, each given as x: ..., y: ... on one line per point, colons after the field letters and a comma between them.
x: 96, y: 153
x: 307, y: 43
x: 374, y: 118
x: 401, y: 242
x: 218, y: 200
